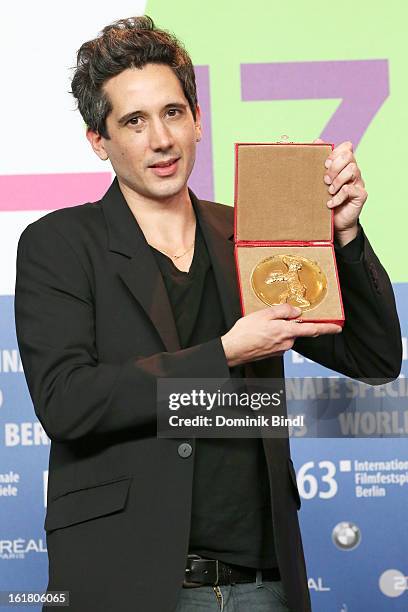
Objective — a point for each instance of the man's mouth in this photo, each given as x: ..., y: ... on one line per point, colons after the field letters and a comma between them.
x: 166, y: 167
x: 164, y: 164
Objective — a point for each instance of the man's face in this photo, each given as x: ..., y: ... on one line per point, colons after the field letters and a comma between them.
x: 152, y: 131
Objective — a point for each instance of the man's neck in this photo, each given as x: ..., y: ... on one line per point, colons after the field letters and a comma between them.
x: 167, y: 224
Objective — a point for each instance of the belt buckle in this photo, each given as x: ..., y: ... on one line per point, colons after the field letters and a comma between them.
x: 192, y: 584
x: 217, y: 572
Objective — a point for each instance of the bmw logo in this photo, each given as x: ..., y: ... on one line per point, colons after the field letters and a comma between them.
x: 346, y: 536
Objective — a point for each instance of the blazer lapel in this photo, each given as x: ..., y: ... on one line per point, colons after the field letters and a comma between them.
x: 219, y: 234
x: 136, y: 265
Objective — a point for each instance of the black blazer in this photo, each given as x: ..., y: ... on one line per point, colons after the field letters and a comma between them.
x: 95, y: 331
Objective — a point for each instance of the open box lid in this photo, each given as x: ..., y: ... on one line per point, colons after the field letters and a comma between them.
x: 280, y: 194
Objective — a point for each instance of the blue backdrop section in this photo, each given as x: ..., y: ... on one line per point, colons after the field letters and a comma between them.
x: 347, y: 579
x: 24, y: 453
x: 345, y: 570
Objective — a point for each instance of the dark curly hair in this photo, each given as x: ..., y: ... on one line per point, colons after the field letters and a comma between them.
x: 126, y: 43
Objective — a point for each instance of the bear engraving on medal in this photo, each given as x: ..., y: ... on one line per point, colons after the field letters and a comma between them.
x: 291, y: 279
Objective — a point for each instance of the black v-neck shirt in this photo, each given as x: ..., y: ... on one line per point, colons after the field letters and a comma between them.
x: 231, y: 513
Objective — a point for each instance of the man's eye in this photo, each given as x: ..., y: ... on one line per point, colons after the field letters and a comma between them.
x: 173, y: 112
x: 134, y: 121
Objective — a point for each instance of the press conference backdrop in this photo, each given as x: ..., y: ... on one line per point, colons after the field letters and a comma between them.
x: 264, y: 70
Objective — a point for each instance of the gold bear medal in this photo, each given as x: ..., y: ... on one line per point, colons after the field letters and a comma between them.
x: 290, y: 279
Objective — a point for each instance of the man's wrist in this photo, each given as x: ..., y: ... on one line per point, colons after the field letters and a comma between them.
x: 343, y: 237
x: 228, y: 351
x: 353, y: 251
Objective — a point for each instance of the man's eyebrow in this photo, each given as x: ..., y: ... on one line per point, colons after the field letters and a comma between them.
x: 131, y: 114
x: 126, y: 117
x: 176, y: 105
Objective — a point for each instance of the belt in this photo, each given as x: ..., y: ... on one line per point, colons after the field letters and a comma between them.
x: 200, y: 572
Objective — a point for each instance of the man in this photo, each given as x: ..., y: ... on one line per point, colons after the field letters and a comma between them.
x: 113, y: 295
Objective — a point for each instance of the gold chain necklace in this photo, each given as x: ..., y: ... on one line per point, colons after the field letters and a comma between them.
x: 178, y: 256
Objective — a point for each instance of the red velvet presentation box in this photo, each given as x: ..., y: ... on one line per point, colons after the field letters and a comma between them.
x: 284, y: 230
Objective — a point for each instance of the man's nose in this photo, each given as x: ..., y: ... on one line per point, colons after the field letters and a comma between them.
x: 160, y: 136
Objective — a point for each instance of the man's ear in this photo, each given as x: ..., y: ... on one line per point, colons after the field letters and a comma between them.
x: 197, y: 123
x: 97, y: 143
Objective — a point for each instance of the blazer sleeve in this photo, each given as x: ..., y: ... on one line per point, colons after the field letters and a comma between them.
x: 369, y: 346
x: 74, y: 394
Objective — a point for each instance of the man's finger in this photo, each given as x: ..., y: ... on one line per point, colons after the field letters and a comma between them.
x: 338, y: 161
x: 349, y: 174
x: 342, y: 153
x: 283, y: 311
x: 344, y: 146
x: 349, y: 192
x: 313, y: 330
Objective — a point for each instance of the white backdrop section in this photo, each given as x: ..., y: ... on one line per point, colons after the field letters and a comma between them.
x: 11, y: 226
x: 38, y: 45
x: 43, y: 131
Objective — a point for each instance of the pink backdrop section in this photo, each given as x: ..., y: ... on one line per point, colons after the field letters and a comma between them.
x: 51, y: 191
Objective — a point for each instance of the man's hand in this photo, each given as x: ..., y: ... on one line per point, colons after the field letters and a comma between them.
x: 268, y: 333
x: 346, y: 186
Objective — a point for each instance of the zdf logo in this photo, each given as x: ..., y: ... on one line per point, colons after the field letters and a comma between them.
x: 393, y: 583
